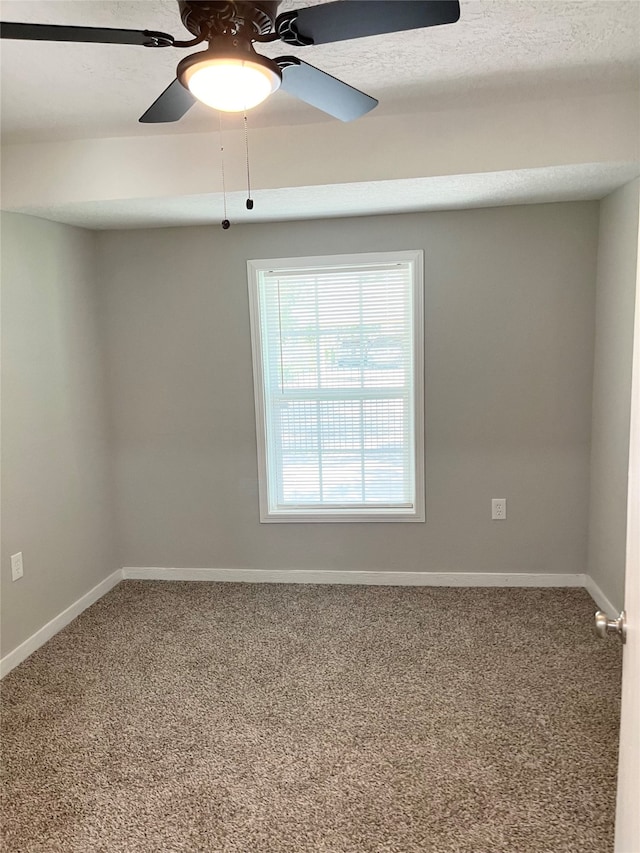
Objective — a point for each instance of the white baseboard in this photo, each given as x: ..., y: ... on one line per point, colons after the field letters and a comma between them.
x: 329, y: 576
x: 599, y: 597
x: 22, y: 652
x: 459, y: 579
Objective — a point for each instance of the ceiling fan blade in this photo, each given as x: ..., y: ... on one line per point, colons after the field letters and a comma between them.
x: 172, y: 104
x: 323, y: 91
x: 345, y: 19
x: 100, y: 35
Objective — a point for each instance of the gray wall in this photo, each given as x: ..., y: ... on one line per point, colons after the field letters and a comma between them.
x: 509, y: 353
x: 55, y: 488
x: 615, y: 299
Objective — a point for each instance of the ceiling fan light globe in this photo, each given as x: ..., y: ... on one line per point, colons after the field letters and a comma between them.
x: 231, y: 84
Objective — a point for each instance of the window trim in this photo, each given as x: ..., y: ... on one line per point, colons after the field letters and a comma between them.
x: 415, y: 257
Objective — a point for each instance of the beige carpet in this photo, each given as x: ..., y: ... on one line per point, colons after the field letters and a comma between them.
x: 315, y: 719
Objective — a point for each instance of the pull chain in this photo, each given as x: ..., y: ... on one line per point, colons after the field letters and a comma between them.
x: 225, y: 222
x: 249, y: 202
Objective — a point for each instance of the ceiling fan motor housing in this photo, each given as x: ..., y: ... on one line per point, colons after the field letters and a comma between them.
x: 211, y: 18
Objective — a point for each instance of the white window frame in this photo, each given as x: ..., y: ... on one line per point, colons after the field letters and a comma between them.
x: 415, y: 258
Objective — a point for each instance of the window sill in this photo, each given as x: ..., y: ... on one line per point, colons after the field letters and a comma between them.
x: 344, y: 516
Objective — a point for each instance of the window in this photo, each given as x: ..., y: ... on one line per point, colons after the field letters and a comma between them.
x: 338, y: 374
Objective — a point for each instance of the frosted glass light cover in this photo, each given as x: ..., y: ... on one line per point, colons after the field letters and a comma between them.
x: 231, y: 85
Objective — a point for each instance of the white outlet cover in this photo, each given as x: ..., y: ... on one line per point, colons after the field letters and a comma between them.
x: 17, y: 569
x: 498, y: 509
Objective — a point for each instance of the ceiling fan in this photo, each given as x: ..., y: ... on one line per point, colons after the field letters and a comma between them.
x: 230, y: 75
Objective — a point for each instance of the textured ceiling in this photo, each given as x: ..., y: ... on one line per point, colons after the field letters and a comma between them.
x: 502, y: 54
x: 489, y: 189
x: 499, y: 49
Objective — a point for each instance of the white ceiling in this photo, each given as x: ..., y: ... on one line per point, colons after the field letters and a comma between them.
x: 444, y: 192
x: 501, y: 52
x: 510, y: 48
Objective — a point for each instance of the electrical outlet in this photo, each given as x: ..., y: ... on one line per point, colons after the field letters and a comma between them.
x: 498, y: 509
x: 17, y: 569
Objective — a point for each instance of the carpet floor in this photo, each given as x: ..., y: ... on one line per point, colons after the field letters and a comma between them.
x: 251, y: 718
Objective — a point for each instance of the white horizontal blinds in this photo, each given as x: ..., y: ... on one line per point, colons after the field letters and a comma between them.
x: 337, y: 350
